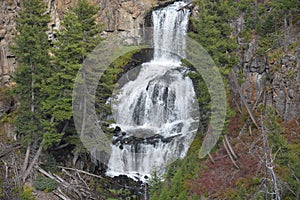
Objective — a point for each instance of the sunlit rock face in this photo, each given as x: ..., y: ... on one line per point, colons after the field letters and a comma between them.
x: 116, y: 15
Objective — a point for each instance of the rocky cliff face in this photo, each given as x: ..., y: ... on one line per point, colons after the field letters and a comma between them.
x: 115, y: 15
x: 281, y: 72
x: 8, y: 13
x: 275, y: 74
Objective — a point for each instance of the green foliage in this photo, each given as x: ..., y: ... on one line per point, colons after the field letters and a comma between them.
x: 86, y: 16
x: 44, y: 84
x: 268, y: 25
x: 182, y: 195
x: 79, y: 36
x: 26, y: 194
x: 1, y: 193
x: 165, y: 193
x: 45, y: 184
x: 177, y: 176
x: 212, y: 30
x: 122, y: 191
x: 286, y: 154
x: 155, y: 184
x: 32, y: 51
x: 266, y: 20
x: 51, y: 164
x: 177, y: 183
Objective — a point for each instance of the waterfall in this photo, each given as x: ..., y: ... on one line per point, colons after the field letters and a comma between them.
x: 156, y: 113
x: 169, y: 31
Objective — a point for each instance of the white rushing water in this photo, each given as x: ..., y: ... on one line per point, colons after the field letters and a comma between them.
x: 157, y: 111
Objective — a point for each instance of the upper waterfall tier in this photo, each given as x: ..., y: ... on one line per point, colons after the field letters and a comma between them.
x: 169, y: 31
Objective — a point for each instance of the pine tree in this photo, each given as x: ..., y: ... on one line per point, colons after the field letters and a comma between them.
x: 285, y: 9
x: 86, y: 15
x: 155, y: 185
x: 79, y: 35
x: 177, y: 183
x: 32, y: 51
x: 165, y: 193
x: 212, y: 30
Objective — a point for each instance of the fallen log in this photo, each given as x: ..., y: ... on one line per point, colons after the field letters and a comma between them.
x: 80, y: 171
x: 230, y: 147
x: 211, y: 158
x: 229, y: 154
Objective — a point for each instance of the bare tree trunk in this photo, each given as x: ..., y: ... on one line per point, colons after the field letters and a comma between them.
x: 83, y: 123
x: 2, y: 67
x: 284, y: 32
x: 211, y: 158
x: 253, y: 108
x: 32, y: 91
x: 33, y: 162
x: 233, y: 77
x: 25, y: 163
x: 269, y: 164
x: 230, y: 147
x: 230, y: 156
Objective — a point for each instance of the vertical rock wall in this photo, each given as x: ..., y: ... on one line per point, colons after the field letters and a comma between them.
x: 8, y: 13
x: 115, y: 15
x: 278, y: 76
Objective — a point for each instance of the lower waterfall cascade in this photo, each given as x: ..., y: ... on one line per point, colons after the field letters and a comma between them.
x: 156, y: 114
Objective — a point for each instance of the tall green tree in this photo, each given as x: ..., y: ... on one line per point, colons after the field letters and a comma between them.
x: 212, y: 30
x: 32, y: 51
x: 285, y: 8
x: 79, y: 35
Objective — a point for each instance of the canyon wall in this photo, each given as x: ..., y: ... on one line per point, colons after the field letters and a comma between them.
x: 281, y: 71
x: 115, y: 16
x: 275, y: 73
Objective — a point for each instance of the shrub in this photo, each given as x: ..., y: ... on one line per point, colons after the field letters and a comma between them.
x: 26, y: 194
x: 45, y: 184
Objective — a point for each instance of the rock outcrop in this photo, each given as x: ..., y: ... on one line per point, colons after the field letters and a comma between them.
x: 277, y: 75
x: 119, y: 16
x: 115, y: 15
x: 8, y: 14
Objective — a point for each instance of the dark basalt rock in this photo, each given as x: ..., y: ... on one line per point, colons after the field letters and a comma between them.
x: 117, y: 131
x: 133, y: 140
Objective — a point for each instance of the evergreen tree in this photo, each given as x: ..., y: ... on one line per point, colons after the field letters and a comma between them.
x: 32, y: 51
x: 79, y: 35
x: 86, y: 13
x: 212, y: 30
x: 285, y: 8
x: 177, y: 183
x: 155, y: 185
x: 165, y: 193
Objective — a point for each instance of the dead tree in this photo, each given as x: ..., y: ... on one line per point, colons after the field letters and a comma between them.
x: 269, y: 165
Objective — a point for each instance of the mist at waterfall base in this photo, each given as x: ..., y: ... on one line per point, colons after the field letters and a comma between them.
x: 156, y: 106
